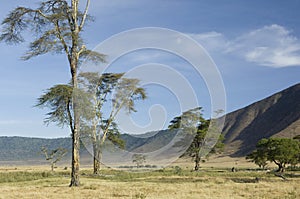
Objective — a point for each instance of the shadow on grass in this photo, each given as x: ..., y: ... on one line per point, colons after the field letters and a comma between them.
x: 246, y: 180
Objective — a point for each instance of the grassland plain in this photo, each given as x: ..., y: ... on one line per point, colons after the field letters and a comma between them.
x: 176, y: 182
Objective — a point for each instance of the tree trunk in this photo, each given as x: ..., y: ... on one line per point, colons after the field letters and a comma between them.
x: 97, y: 160
x: 280, y: 167
x: 96, y: 166
x: 75, y: 159
x: 73, y: 58
x: 197, y: 162
x: 75, y: 130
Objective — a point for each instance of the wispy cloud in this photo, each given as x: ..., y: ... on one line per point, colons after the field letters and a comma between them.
x: 270, y: 46
x: 211, y: 41
x: 273, y: 46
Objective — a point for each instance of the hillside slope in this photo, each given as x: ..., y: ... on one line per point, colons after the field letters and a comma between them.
x: 277, y: 115
x: 24, y: 149
x: 29, y: 149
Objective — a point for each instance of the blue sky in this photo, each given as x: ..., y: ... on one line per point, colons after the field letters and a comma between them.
x: 254, y: 44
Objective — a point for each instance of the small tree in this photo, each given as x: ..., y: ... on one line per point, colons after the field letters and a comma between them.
x: 54, y: 155
x: 201, y: 140
x: 139, y: 160
x: 188, y: 121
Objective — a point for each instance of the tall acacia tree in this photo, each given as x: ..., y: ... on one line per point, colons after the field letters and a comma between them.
x: 56, y: 27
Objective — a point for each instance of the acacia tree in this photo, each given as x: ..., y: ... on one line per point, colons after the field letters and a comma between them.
x: 259, y: 157
x: 56, y: 27
x: 281, y: 151
x: 200, y: 139
x: 92, y: 134
x: 138, y: 159
x: 108, y: 89
x: 54, y: 155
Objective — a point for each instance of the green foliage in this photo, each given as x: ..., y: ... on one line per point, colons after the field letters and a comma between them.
x: 59, y: 100
x: 110, y: 92
x: 109, y: 88
x: 259, y: 157
x: 187, y: 120
x: 114, y: 136
x: 177, y: 170
x: 193, y: 123
x: 281, y: 151
x: 52, y: 26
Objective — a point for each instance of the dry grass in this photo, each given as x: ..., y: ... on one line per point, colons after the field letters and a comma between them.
x: 160, y: 188
x: 169, y: 183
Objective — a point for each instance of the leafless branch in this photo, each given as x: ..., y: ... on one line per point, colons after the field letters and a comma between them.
x: 84, y: 15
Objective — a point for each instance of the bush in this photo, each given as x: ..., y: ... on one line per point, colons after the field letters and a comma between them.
x: 178, y: 170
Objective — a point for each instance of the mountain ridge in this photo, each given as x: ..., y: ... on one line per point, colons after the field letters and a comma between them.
x: 268, y: 117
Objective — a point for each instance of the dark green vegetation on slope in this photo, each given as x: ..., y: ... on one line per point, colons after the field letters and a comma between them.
x: 26, y: 149
x: 23, y: 148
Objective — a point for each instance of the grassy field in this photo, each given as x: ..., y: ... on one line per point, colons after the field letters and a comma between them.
x: 173, y: 182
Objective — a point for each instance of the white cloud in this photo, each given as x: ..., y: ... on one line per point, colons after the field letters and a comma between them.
x: 211, y: 41
x: 272, y: 45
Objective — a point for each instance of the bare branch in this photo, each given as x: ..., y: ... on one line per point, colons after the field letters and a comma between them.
x: 84, y: 15
x: 61, y: 38
x: 82, y: 49
x: 42, y: 14
x: 74, y: 6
